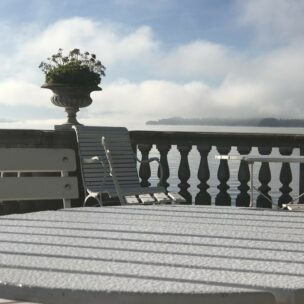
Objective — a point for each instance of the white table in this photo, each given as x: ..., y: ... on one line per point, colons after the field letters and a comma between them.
x: 153, y: 254
x: 262, y: 159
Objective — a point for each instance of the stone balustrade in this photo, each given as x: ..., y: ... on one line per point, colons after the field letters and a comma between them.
x: 143, y: 141
x: 203, y: 142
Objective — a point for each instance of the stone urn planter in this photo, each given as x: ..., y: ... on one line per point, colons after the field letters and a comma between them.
x: 71, y: 97
x: 72, y: 78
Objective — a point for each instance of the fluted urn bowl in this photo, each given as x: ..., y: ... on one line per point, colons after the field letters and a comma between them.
x: 71, y: 97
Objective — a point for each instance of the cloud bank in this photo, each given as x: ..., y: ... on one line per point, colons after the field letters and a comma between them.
x: 147, y: 81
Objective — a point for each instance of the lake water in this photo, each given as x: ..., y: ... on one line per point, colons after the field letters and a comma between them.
x: 194, y: 159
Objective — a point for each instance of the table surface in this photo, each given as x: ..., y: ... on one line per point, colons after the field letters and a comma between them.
x: 153, y: 254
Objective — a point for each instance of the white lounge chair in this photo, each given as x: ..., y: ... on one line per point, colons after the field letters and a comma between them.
x: 108, y: 166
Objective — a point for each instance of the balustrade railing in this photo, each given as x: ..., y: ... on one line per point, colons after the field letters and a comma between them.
x: 223, y: 142
x: 205, y: 145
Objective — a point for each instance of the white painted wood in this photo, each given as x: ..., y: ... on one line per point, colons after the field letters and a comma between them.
x: 35, y: 188
x: 146, y: 199
x: 37, y: 160
x: 176, y: 198
x: 161, y: 198
x: 67, y: 203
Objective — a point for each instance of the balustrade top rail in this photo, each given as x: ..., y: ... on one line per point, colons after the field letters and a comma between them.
x: 215, y: 138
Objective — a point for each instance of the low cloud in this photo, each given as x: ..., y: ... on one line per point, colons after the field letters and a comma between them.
x: 15, y: 92
x: 110, y: 42
x: 273, y: 21
x: 146, y: 81
x: 199, y: 59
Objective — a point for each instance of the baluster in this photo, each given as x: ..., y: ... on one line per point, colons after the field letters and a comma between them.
x: 264, y: 178
x: 243, y: 198
x: 144, y: 169
x: 285, y: 178
x: 184, y: 172
x: 223, y: 198
x: 163, y: 150
x: 203, y: 197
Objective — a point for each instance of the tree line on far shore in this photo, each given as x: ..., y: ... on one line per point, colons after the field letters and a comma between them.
x: 251, y: 122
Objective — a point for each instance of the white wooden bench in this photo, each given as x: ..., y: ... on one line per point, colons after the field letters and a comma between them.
x: 42, y: 161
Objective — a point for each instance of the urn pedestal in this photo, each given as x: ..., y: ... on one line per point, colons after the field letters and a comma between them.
x: 71, y: 97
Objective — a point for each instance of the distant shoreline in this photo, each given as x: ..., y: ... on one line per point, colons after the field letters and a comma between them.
x: 254, y: 122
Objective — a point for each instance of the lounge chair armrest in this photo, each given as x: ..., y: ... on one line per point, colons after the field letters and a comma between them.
x: 96, y: 160
x: 92, y: 160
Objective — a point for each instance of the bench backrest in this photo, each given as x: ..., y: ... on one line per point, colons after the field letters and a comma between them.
x: 89, y: 142
x: 37, y: 160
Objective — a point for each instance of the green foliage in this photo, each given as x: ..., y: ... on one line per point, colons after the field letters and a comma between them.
x: 74, y: 69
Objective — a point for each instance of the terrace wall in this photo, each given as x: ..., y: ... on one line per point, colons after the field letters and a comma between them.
x: 143, y: 141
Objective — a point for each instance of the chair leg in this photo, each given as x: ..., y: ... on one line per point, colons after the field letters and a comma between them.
x: 85, y: 200
x: 66, y: 203
x: 99, y: 199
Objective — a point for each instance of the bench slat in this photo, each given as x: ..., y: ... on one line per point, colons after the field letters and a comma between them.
x: 36, y: 160
x: 35, y: 188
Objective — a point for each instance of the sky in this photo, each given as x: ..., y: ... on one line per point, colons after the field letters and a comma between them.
x: 163, y: 58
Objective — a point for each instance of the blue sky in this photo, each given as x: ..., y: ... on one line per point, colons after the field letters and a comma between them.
x: 164, y: 58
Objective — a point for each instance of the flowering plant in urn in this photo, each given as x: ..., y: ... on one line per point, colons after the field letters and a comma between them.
x: 72, y: 78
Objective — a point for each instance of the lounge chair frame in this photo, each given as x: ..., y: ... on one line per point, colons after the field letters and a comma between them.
x: 108, y: 166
